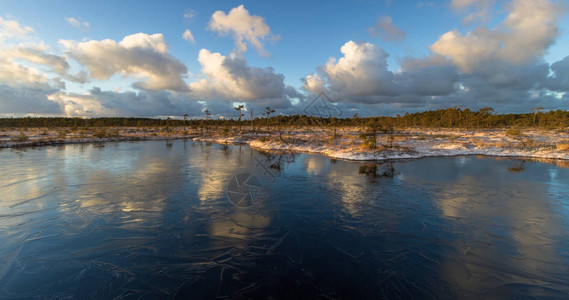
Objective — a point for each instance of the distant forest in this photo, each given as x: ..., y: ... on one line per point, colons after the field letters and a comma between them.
x: 443, y: 118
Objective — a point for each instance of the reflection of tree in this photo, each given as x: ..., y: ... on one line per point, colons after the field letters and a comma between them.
x: 275, y: 160
x: 373, y: 170
x: 518, y: 168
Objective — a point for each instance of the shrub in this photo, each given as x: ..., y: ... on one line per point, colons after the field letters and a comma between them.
x: 264, y: 139
x: 562, y: 146
x: 20, y: 138
x: 333, y: 138
x: 226, y: 131
x: 62, y: 134
x: 100, y: 133
x: 368, y: 141
x: 514, y: 132
x: 529, y: 143
x: 113, y: 133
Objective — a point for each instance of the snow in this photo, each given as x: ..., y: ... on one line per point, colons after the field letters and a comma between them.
x: 425, y: 143
x: 408, y: 143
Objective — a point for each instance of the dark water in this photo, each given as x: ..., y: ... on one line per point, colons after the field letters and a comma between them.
x: 153, y: 220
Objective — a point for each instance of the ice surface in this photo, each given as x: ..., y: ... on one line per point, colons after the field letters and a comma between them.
x: 151, y: 220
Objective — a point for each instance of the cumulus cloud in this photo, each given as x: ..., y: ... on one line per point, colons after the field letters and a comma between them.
x: 17, y: 75
x: 560, y: 79
x: 78, y: 24
x: 501, y: 67
x: 361, y: 71
x: 188, y: 36
x: 524, y: 36
x: 31, y: 78
x: 246, y: 28
x: 141, y: 55
x: 231, y: 78
x: 25, y: 88
x: 18, y: 43
x: 385, y: 29
x: 37, y: 54
x: 362, y: 75
x: 430, y: 76
x: 22, y: 100
x: 143, y: 103
x: 313, y: 83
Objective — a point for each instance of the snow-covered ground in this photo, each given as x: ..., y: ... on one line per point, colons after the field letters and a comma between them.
x: 408, y: 143
x: 417, y: 143
x: 45, y: 137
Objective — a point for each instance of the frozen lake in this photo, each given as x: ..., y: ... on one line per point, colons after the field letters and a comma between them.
x: 182, y: 219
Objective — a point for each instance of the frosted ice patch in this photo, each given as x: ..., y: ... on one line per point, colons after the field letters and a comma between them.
x: 244, y: 189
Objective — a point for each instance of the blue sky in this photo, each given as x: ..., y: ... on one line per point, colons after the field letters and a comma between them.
x: 372, y: 57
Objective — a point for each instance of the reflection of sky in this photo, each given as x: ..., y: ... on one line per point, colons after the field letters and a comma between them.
x: 500, y: 213
x: 315, y: 165
x: 467, y: 221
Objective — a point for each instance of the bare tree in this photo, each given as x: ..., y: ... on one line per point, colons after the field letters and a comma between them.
x: 268, y: 112
x: 239, y: 109
x: 207, y: 114
x: 252, y: 123
x: 185, y: 122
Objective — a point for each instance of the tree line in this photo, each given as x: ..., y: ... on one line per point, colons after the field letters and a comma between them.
x: 442, y: 118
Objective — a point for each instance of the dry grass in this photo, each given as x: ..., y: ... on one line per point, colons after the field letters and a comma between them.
x: 562, y: 146
x: 481, y: 144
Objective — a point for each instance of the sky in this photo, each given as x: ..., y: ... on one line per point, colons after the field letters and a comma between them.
x: 382, y: 57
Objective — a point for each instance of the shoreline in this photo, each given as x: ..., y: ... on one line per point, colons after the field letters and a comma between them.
x: 31, y: 144
x: 405, y: 144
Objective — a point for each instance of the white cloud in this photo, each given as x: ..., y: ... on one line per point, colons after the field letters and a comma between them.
x: 141, y: 55
x: 475, y: 9
x: 231, y: 78
x: 245, y: 28
x: 78, y: 24
x: 460, y: 4
x: 362, y: 75
x: 313, y: 83
x: 20, y: 44
x: 37, y: 54
x: 17, y: 75
x: 528, y: 30
x: 361, y: 71
x: 385, y: 29
x: 10, y: 29
x: 188, y: 36
x: 501, y: 67
x: 190, y: 14
x: 24, y: 88
x: 142, y: 103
